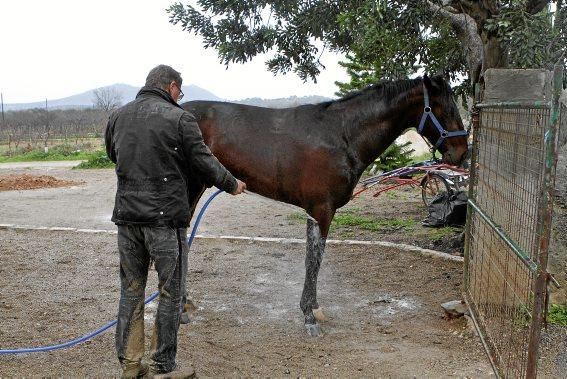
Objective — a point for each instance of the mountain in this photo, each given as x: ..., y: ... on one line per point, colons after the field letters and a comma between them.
x: 192, y: 92
x: 85, y: 99
x: 287, y: 102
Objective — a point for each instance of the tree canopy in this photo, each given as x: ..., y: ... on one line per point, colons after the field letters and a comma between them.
x: 382, y: 39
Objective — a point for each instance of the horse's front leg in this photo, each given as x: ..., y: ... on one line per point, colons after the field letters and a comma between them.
x: 308, y: 304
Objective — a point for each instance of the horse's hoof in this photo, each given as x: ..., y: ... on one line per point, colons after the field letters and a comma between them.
x: 314, y: 330
x: 184, y: 318
x: 319, y: 315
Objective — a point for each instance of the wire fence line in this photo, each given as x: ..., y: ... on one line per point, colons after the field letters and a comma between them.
x: 27, y: 130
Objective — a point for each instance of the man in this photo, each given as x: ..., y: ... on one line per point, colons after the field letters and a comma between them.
x: 159, y: 154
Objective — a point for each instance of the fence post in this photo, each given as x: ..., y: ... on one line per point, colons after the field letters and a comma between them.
x: 546, y: 213
x: 475, y: 123
x: 3, y: 119
x: 45, y: 148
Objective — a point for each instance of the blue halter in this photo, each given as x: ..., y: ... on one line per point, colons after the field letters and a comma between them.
x: 443, y: 134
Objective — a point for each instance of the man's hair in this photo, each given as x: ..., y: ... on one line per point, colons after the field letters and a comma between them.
x: 161, y: 76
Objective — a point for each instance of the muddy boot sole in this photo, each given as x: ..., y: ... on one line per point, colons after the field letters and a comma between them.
x: 183, y: 373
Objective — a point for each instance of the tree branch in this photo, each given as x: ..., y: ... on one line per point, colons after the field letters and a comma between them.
x: 466, y: 30
x: 447, y: 5
x: 479, y: 10
x: 467, y: 6
x: 536, y: 6
x: 491, y: 5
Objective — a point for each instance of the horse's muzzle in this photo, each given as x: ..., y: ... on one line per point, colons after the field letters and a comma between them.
x: 466, y: 158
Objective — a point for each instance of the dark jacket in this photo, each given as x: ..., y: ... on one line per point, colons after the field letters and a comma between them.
x: 160, y: 159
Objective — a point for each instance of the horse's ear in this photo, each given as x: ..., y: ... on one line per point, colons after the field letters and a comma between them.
x: 441, y: 77
x: 435, y: 82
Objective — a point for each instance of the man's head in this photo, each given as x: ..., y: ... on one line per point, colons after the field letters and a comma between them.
x: 167, y: 79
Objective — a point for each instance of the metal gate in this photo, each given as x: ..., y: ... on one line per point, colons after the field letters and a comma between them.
x: 508, y: 227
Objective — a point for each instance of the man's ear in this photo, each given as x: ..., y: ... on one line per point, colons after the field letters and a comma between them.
x: 169, y: 88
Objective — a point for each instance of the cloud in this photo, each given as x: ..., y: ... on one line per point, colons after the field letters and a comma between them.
x: 58, y: 48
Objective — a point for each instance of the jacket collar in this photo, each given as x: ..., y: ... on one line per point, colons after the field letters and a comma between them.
x: 157, y: 92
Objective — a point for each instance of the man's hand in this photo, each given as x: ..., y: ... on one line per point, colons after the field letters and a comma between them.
x: 240, y: 187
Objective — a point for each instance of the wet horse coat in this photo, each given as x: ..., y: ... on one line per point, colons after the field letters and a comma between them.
x: 312, y: 156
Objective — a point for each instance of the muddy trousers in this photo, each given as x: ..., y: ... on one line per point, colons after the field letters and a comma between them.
x: 137, y: 246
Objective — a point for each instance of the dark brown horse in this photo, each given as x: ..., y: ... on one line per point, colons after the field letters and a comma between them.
x: 312, y: 156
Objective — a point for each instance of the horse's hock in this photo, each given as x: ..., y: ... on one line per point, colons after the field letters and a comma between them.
x: 510, y: 234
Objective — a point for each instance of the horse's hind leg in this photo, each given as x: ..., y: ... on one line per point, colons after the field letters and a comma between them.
x: 316, y: 237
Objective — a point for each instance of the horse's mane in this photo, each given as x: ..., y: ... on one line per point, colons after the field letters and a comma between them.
x: 388, y: 89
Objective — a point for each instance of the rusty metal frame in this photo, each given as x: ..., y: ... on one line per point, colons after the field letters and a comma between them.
x: 505, y: 269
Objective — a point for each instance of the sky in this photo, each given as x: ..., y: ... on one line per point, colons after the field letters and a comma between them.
x: 58, y: 48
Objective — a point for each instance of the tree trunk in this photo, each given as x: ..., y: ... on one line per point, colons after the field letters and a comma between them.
x: 482, y: 49
x: 494, y: 54
x: 466, y: 29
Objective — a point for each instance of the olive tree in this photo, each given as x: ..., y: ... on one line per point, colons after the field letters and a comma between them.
x: 383, y: 39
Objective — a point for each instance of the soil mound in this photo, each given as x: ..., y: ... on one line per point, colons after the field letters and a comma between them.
x: 27, y: 182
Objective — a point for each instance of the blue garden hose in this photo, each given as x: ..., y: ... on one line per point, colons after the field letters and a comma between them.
x: 112, y: 323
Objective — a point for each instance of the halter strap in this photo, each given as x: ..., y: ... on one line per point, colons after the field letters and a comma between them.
x: 427, y: 113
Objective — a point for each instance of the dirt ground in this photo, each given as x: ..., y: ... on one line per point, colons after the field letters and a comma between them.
x: 382, y: 304
x: 383, y: 310
x: 27, y: 182
x: 88, y: 204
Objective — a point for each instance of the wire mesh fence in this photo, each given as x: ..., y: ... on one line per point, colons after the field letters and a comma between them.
x: 504, y: 235
x: 508, y: 227
x: 510, y: 175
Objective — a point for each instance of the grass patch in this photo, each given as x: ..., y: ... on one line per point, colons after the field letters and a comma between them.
x: 93, y: 159
x: 392, y: 195
x: 348, y: 220
x: 557, y: 314
x: 346, y: 235
x: 94, y: 162
x: 373, y: 224
x: 437, y: 234
x: 424, y: 157
x: 349, y: 210
x: 297, y: 217
x: 55, y: 153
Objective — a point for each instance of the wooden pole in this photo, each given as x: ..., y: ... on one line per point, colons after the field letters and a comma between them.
x: 2, y: 104
x: 45, y: 148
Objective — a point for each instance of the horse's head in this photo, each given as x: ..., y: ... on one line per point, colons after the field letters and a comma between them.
x: 440, y: 121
